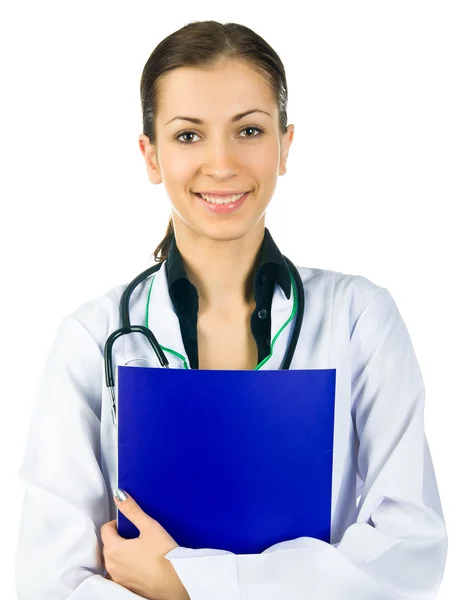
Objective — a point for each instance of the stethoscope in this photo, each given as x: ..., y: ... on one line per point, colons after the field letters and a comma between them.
x: 128, y: 328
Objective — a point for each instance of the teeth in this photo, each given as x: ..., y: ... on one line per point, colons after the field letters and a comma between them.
x: 221, y: 199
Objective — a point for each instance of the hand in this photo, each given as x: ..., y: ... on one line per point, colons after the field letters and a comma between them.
x: 139, y: 564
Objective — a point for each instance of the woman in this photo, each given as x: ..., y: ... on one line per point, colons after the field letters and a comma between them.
x: 214, y: 102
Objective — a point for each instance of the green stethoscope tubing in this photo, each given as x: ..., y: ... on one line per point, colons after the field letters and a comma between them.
x: 260, y: 365
x: 297, y: 310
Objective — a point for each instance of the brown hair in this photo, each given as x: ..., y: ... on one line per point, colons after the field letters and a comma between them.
x: 204, y: 44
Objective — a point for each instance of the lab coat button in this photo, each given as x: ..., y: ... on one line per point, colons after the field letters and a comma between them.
x: 262, y: 313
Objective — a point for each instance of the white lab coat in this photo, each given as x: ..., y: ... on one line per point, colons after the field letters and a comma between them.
x: 391, y: 545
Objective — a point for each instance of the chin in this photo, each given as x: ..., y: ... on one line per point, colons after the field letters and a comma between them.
x: 228, y: 230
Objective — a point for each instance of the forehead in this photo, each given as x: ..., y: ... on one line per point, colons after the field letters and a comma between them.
x: 216, y: 93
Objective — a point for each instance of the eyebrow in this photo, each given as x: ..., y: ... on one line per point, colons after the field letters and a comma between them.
x: 233, y: 120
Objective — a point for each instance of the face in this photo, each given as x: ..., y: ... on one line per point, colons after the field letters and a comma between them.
x: 218, y: 154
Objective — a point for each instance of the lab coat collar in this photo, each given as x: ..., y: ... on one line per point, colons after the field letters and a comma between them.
x: 163, y: 322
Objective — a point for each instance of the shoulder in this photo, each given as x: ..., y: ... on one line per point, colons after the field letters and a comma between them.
x: 341, y: 290
x: 100, y: 315
x: 97, y: 313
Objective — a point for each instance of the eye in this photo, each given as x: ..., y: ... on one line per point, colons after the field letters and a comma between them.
x: 259, y: 129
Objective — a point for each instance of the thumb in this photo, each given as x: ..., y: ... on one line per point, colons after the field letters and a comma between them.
x: 131, y: 510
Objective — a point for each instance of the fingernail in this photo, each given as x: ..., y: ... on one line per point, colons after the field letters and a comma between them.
x: 120, y: 494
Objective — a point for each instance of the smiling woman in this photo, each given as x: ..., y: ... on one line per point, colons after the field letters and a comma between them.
x: 215, y: 133
x: 220, y: 175
x: 228, y: 82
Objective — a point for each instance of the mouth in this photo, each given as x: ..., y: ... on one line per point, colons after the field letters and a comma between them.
x: 221, y: 199
x: 220, y: 205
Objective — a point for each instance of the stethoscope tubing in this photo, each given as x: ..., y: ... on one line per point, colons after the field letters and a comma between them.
x: 128, y: 328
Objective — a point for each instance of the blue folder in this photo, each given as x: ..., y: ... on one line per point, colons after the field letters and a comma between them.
x: 233, y: 460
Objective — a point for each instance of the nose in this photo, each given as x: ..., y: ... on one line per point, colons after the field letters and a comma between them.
x: 221, y: 157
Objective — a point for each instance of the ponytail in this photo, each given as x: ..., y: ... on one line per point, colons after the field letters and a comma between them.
x: 163, y: 248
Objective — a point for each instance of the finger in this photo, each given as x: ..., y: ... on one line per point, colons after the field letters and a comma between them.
x: 132, y: 511
x: 109, y: 532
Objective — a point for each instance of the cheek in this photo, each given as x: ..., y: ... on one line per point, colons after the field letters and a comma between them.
x: 177, y: 169
x: 263, y: 161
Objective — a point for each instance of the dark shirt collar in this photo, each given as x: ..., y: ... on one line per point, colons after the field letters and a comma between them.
x: 269, y: 255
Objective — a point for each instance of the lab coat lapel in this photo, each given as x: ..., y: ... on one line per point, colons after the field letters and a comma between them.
x: 281, y: 309
x: 163, y: 321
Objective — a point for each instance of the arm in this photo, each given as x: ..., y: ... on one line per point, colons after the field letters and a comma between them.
x: 66, y: 501
x: 396, y: 549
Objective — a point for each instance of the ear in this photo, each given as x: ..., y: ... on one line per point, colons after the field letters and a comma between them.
x: 149, y: 154
x: 286, y: 142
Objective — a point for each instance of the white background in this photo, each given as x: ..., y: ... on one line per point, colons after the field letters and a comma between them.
x: 376, y: 186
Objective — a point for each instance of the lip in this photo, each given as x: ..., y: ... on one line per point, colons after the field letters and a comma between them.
x: 221, y: 193
x: 220, y: 209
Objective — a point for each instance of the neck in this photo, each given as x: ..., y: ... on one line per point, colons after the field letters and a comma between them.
x: 222, y: 271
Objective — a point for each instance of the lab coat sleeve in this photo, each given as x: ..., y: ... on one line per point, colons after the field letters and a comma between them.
x: 65, y: 502
x: 396, y: 549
